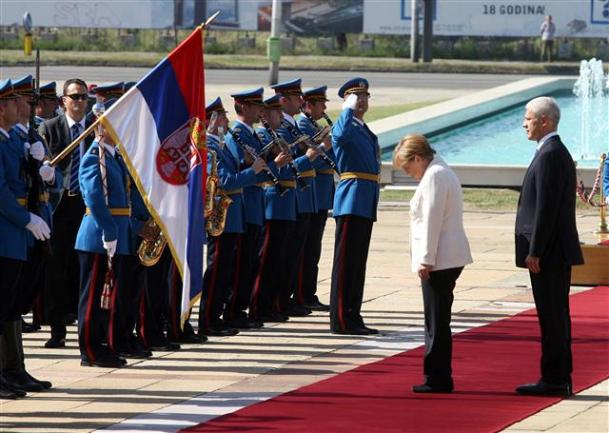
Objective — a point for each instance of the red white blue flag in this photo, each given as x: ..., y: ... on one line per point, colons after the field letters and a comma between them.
x: 158, y: 125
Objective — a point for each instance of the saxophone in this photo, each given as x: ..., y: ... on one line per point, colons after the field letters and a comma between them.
x: 153, y: 243
x: 216, y: 201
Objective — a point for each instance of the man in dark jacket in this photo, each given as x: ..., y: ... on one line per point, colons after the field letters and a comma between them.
x: 547, y: 243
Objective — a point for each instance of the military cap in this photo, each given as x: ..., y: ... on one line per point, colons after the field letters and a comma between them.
x: 111, y: 90
x: 6, y: 89
x: 291, y: 87
x: 49, y: 90
x: 24, y: 86
x: 253, y: 97
x: 273, y: 103
x: 316, y: 94
x: 214, y: 106
x: 354, y: 85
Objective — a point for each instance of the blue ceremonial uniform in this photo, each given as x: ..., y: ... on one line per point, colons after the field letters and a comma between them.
x: 357, y: 150
x: 606, y: 178
x: 14, y: 216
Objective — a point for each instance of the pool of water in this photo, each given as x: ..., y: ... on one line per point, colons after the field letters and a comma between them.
x: 500, y: 139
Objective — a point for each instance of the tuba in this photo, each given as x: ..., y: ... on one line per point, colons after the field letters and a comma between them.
x: 216, y: 201
x: 153, y: 243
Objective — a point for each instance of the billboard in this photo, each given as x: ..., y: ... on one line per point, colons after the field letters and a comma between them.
x: 573, y: 18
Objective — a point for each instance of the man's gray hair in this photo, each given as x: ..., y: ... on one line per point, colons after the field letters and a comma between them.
x: 545, y: 105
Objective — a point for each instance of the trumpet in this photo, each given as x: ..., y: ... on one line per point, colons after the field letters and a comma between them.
x: 249, y: 150
x: 278, y: 141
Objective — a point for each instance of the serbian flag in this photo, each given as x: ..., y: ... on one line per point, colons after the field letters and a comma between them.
x: 158, y: 127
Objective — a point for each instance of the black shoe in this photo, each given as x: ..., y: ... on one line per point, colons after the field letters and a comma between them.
x: 360, y: 330
x: 274, y: 317
x: 71, y: 318
x: 45, y: 383
x: 161, y: 344
x: 28, y: 328
x: 8, y: 388
x: 218, y: 331
x: 315, y: 305
x: 106, y: 362
x: 191, y: 339
x: 545, y: 388
x: 371, y: 331
x: 295, y: 310
x: 7, y: 394
x: 20, y: 381
x: 425, y: 388
x: 244, y: 323
x: 55, y: 343
x: 135, y: 353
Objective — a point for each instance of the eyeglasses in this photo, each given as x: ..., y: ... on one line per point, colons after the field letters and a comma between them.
x: 77, y: 96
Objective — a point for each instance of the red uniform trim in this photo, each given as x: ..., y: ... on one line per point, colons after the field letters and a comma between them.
x: 265, y: 248
x: 87, y: 324
x: 341, y: 274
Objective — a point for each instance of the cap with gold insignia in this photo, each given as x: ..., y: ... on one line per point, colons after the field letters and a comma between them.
x: 214, y: 106
x: 6, y: 89
x: 291, y: 87
x: 49, y: 90
x: 110, y: 90
x: 273, y: 103
x: 354, y: 85
x: 316, y: 94
x: 24, y: 86
x: 253, y: 96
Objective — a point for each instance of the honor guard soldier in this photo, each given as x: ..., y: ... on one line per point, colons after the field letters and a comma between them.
x: 16, y: 221
x: 243, y: 138
x: 43, y: 179
x: 48, y: 103
x: 308, y: 269
x: 226, y: 230
x: 280, y: 215
x: 62, y: 272
x: 104, y: 237
x: 109, y: 91
x: 306, y: 202
x: 355, y: 203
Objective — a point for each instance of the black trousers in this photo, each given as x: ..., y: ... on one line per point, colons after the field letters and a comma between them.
x: 125, y: 304
x: 351, y: 245
x: 551, y: 292
x: 272, y: 270
x: 437, y: 301
x: 293, y: 259
x: 10, y: 272
x: 244, y: 273
x: 61, y: 290
x: 95, y: 327
x: 154, y: 301
x: 217, y: 278
x: 30, y: 283
x: 308, y: 270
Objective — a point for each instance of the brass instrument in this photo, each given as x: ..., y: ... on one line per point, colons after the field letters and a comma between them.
x: 153, y: 243
x: 216, y: 201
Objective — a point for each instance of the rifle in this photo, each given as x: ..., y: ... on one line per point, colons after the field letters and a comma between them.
x: 36, y: 187
x: 249, y: 150
x: 281, y: 143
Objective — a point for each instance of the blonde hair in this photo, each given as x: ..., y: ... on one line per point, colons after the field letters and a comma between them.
x: 411, y: 146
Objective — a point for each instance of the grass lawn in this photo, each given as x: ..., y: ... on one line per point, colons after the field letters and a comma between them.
x: 375, y: 113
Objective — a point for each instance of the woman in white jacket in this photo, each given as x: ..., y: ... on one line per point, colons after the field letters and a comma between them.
x: 438, y: 248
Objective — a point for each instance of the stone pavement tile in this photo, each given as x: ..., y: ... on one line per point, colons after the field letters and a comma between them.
x: 194, y: 386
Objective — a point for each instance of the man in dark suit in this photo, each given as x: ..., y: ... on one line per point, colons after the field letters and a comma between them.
x: 547, y: 243
x: 62, y: 279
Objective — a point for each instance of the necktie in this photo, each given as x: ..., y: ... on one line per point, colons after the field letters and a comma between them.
x: 74, y: 187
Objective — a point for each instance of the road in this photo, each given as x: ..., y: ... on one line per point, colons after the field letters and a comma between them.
x: 386, y: 88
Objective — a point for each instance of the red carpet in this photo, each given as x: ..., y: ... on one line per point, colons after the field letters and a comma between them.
x: 488, y: 363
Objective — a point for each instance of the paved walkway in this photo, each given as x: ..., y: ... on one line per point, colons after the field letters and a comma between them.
x: 228, y: 373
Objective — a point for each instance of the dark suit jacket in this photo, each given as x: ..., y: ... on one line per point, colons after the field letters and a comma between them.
x: 57, y: 135
x: 545, y: 221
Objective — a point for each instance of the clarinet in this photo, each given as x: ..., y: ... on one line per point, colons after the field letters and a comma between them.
x: 284, y: 146
x: 252, y: 152
x: 330, y: 123
x: 295, y: 132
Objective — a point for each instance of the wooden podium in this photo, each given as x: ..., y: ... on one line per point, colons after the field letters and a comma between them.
x: 595, y: 270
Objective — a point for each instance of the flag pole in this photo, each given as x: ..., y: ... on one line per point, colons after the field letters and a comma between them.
x: 209, y: 20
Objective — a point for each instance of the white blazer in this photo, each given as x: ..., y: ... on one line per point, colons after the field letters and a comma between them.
x: 437, y: 237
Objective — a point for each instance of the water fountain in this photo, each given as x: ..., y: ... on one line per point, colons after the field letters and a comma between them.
x: 592, y: 91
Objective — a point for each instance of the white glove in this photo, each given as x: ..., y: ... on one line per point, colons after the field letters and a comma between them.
x: 350, y: 102
x: 607, y: 200
x: 38, y: 227
x: 47, y: 173
x: 37, y: 151
x: 110, y: 246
